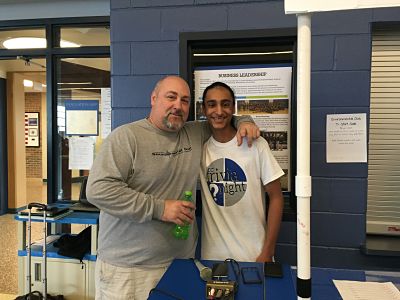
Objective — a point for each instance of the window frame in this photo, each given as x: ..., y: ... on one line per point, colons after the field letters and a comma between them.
x: 51, y: 53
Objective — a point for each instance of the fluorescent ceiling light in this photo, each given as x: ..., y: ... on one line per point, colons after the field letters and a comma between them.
x: 24, y: 42
x: 28, y: 83
x: 74, y: 83
x: 33, y: 42
x: 67, y: 44
x: 65, y: 89
x: 241, y: 54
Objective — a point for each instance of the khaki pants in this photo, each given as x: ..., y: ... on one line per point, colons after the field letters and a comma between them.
x: 133, y: 283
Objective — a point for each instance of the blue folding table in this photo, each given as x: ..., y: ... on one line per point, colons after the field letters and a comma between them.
x: 182, y: 281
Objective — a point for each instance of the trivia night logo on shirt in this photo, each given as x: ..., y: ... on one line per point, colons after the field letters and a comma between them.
x: 226, y: 181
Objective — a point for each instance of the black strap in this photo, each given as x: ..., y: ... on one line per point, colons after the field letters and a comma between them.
x: 37, y: 205
x: 304, y: 288
x: 165, y: 293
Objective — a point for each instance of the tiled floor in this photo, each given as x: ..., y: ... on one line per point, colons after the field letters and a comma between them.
x: 8, y: 250
x: 7, y: 297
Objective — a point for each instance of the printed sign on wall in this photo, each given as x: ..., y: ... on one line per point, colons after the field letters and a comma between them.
x: 32, y: 129
x: 346, y: 138
x: 82, y: 117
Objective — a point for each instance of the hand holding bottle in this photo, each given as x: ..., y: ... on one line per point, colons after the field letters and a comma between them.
x: 182, y: 231
x: 178, y: 211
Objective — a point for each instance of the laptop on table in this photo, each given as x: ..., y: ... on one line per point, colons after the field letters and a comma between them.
x: 83, y: 204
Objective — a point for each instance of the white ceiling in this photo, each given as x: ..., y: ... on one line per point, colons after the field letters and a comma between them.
x: 18, y: 65
x: 21, y: 9
x: 80, y: 35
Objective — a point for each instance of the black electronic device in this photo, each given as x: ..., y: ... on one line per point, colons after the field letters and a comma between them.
x: 225, y: 290
x: 51, y: 212
x: 83, y: 204
x: 220, y: 270
x: 251, y: 275
x: 273, y: 269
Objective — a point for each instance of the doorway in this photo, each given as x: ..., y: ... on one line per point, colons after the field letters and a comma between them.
x: 26, y: 132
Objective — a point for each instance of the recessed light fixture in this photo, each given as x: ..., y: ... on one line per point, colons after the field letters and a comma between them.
x: 67, y: 44
x: 33, y: 43
x: 81, y: 88
x: 28, y: 83
x: 75, y: 83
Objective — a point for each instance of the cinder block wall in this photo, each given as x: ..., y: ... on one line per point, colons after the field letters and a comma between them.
x: 144, y: 47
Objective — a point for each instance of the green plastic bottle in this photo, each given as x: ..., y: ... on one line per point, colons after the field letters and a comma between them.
x: 182, y: 231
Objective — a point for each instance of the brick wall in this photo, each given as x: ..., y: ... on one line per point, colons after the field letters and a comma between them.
x: 34, y: 154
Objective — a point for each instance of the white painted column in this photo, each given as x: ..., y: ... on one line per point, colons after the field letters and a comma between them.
x: 303, y: 178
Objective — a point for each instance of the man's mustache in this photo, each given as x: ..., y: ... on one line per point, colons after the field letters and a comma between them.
x: 178, y: 113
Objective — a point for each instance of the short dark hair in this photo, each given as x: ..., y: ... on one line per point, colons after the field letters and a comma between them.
x: 218, y: 84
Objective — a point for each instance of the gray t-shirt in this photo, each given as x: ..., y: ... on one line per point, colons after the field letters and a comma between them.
x: 138, y: 167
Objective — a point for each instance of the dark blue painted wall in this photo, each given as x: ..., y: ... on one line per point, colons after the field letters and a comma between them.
x: 144, y: 48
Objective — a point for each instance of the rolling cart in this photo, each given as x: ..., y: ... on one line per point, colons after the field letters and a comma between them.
x: 37, y: 295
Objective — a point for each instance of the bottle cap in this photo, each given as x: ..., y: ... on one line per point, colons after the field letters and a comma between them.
x: 188, y: 193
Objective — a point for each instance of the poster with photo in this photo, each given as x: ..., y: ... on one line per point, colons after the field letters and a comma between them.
x: 32, y: 136
x: 264, y: 93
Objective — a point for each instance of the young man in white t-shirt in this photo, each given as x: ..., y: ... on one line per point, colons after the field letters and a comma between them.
x: 233, y: 181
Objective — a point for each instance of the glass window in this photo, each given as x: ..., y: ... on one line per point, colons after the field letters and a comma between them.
x: 38, y: 155
x: 83, y: 118
x: 84, y: 36
x: 23, y: 39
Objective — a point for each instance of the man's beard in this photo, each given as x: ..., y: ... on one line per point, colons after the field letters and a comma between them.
x: 174, y: 126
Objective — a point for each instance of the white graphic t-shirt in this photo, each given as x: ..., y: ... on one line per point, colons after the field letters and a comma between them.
x: 232, y: 180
